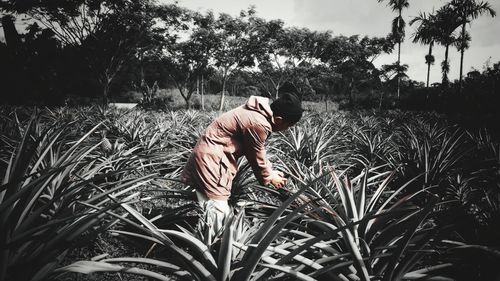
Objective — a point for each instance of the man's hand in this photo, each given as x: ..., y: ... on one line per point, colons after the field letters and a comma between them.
x: 278, y: 180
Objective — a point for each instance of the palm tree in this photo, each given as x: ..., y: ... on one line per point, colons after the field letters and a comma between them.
x: 398, y: 27
x: 467, y: 11
x: 426, y: 34
x: 446, y: 23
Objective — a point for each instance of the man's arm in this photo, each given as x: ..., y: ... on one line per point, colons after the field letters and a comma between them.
x: 255, y: 151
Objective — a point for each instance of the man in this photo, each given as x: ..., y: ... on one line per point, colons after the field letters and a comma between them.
x: 241, y: 131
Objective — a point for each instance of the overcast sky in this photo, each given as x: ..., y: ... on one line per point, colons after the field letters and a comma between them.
x: 368, y: 17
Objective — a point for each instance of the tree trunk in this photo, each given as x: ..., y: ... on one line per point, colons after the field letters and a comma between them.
x: 429, y: 64
x: 185, y: 97
x: 202, y: 94
x: 326, y: 103
x: 445, y: 67
x: 428, y: 71
x: 351, y: 94
x: 462, y: 50
x: 221, y: 106
x: 399, y: 56
x: 12, y: 38
x: 380, y: 100
x: 197, y: 85
x: 399, y: 64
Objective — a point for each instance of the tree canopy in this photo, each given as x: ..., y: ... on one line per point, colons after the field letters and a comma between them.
x: 100, y: 48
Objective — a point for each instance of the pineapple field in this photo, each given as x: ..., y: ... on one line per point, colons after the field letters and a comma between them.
x: 92, y: 193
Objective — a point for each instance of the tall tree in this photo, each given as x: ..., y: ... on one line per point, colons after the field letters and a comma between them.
x: 446, y: 22
x: 351, y: 58
x: 101, y: 34
x: 426, y: 33
x: 300, y: 51
x: 12, y: 38
x: 393, y: 74
x: 272, y: 67
x: 13, y: 57
x: 398, y: 28
x: 325, y: 82
x: 121, y: 37
x: 170, y: 21
x: 467, y: 11
x: 72, y: 21
x: 187, y: 61
x: 238, y: 43
x: 185, y: 50
x: 206, y: 40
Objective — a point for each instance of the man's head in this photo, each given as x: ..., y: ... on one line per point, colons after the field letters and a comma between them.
x: 287, y: 111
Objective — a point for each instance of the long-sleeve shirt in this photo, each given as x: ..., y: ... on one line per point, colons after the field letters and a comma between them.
x: 241, y: 131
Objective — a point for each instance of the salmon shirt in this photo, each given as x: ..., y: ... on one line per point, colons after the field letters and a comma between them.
x: 212, y: 164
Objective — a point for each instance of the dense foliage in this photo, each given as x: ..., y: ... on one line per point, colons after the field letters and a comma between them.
x: 389, y: 196
x: 373, y: 195
x: 79, y: 51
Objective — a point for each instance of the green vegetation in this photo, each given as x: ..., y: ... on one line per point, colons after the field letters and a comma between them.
x: 83, y: 52
x: 375, y: 193
x: 388, y: 196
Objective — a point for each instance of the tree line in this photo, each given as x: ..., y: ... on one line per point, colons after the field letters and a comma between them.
x: 96, y: 48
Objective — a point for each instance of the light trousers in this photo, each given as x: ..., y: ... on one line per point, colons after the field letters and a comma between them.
x: 216, y: 212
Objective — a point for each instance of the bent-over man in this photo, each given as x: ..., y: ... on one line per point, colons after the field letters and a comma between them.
x: 242, y: 131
